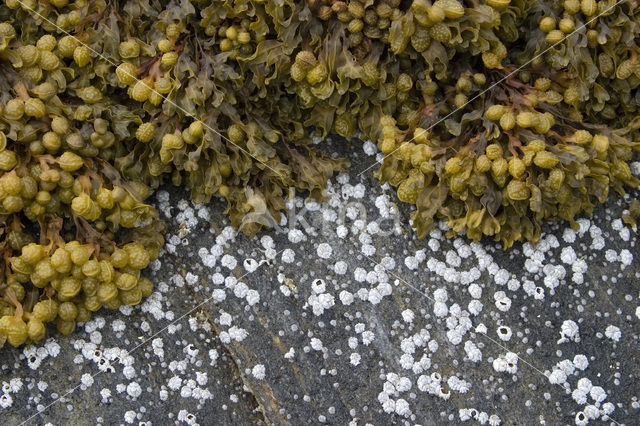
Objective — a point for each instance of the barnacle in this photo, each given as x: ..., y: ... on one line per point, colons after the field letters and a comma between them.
x: 493, y: 116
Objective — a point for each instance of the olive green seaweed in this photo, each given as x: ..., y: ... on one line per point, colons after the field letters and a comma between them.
x: 492, y: 115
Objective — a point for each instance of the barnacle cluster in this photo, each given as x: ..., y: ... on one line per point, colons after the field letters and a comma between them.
x: 493, y: 115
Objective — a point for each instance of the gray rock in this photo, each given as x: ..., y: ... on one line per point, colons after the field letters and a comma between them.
x: 342, y: 328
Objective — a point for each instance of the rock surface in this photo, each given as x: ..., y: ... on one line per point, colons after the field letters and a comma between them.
x: 343, y: 316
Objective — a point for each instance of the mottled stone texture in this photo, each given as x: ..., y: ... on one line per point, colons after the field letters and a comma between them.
x: 351, y: 357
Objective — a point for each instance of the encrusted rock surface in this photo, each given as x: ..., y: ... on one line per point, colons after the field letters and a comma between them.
x: 346, y: 317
